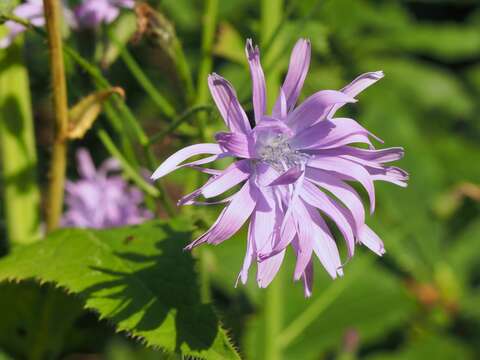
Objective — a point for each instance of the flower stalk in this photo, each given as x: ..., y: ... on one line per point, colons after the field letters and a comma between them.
x: 59, y: 153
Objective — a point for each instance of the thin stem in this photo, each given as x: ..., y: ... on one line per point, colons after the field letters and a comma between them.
x: 59, y: 156
x: 273, y: 308
x: 129, y: 171
x: 162, y: 103
x: 179, y: 121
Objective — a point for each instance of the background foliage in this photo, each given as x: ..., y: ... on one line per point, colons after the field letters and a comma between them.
x: 419, y: 301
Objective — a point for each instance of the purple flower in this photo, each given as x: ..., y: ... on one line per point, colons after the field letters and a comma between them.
x: 92, y: 13
x: 294, y: 167
x: 101, y: 200
x: 31, y: 10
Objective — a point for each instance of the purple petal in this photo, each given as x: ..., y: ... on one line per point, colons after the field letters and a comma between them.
x: 357, y: 86
x: 231, y: 219
x: 307, y: 277
x: 172, y: 162
x: 231, y: 176
x: 268, y: 268
x: 236, y: 143
x: 372, y: 241
x: 297, y: 72
x: 258, y: 80
x: 315, y: 108
x: 380, y: 156
x: 227, y: 103
x: 86, y: 168
x: 280, y: 107
x: 288, y: 177
x: 303, y: 242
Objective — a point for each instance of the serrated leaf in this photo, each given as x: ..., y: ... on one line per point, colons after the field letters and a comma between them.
x: 86, y: 111
x: 138, y: 277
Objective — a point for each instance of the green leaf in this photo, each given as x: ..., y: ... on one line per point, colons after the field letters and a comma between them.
x: 138, y: 277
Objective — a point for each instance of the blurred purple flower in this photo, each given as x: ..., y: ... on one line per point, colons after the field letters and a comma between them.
x: 294, y: 165
x: 92, y: 13
x: 31, y: 10
x: 101, y: 200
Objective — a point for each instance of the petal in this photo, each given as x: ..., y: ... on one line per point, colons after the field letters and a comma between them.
x: 258, y: 80
x: 297, y: 72
x: 372, y: 241
x: 391, y: 174
x: 86, y: 168
x: 346, y: 170
x: 231, y: 219
x: 172, y: 163
x: 341, y: 191
x: 267, y: 269
x: 227, y: 103
x: 280, y: 107
x: 308, y: 280
x: 231, y: 176
x: 316, y: 198
x: 380, y: 156
x: 303, y: 242
x: 249, y: 255
x: 324, y: 244
x: 357, y: 86
x: 315, y: 108
x: 236, y: 143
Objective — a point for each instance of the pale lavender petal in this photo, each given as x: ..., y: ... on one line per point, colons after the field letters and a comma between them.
x: 258, y: 80
x: 231, y: 176
x: 85, y: 166
x: 315, y: 108
x: 357, y: 86
x: 303, y: 242
x: 227, y: 103
x: 380, y: 156
x: 231, y: 219
x: 268, y: 268
x: 372, y: 241
x: 346, y: 170
x: 324, y: 244
x: 316, y: 198
x: 249, y: 255
x: 307, y: 277
x: 236, y: 143
x: 172, y: 163
x: 390, y: 174
x: 297, y: 72
x: 280, y: 108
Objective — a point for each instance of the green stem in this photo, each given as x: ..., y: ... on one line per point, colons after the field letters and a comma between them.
x: 273, y: 308
x: 163, y: 104
x: 178, y: 121
x: 21, y: 196
x: 58, y: 166
x: 129, y: 171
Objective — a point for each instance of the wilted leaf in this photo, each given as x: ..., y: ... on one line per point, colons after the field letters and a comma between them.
x: 86, y: 111
x: 138, y: 277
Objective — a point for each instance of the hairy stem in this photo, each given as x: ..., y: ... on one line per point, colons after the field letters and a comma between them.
x: 59, y: 155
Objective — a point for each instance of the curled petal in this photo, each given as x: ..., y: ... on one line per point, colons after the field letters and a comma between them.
x: 236, y: 143
x: 380, y: 156
x: 357, y: 86
x: 173, y: 162
x: 315, y: 108
x: 258, y: 80
x: 227, y: 103
x: 288, y: 177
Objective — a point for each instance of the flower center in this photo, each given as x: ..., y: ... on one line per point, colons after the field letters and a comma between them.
x: 274, y: 149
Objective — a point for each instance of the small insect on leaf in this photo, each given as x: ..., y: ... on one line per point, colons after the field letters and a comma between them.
x: 86, y: 111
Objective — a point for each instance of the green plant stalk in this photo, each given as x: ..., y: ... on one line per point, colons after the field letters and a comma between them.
x: 208, y: 36
x: 162, y: 103
x: 21, y: 196
x: 271, y: 17
x: 58, y: 165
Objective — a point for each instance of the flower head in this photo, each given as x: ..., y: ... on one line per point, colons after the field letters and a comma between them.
x: 101, y: 200
x: 294, y: 167
x: 92, y: 13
